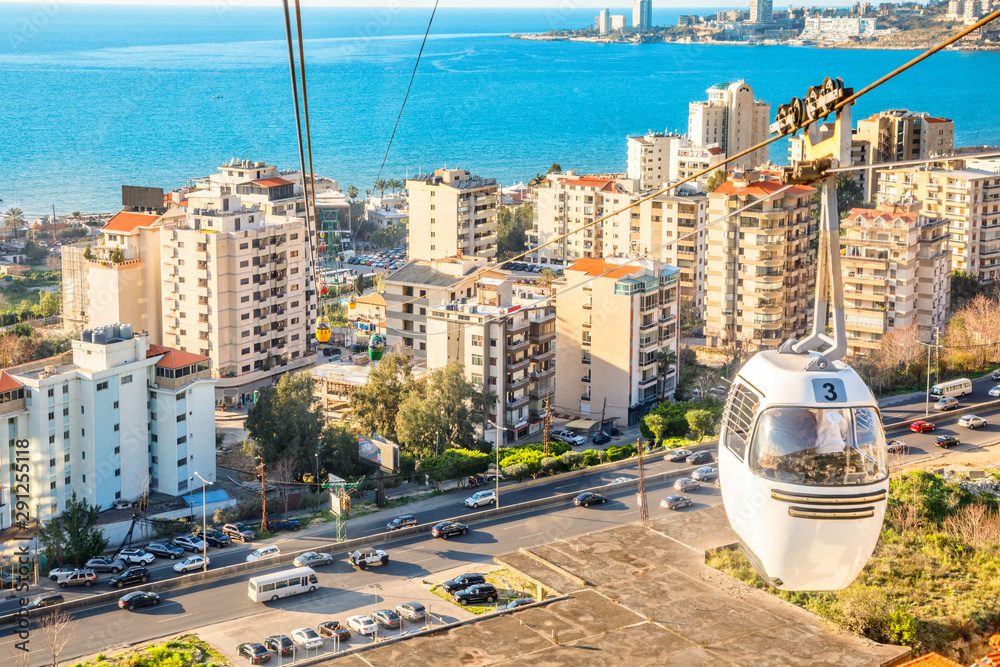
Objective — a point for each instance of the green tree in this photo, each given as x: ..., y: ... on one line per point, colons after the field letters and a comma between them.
x: 338, y: 452
x: 550, y: 465
x: 701, y: 422
x: 352, y: 192
x: 715, y: 180
x: 35, y: 252
x: 50, y: 303
x: 964, y: 288
x: 546, y: 277
x: 13, y: 219
x: 375, y: 405
x: 396, y: 184
x: 117, y: 255
x: 285, y: 422
x: 380, y: 185
x: 657, y: 425
x: 849, y: 194
x: 389, y: 236
x: 571, y: 459
x: 88, y: 253
x: 517, y: 471
x: 74, y: 537
x: 445, y: 403
x: 554, y: 169
x: 454, y: 464
x: 511, y: 239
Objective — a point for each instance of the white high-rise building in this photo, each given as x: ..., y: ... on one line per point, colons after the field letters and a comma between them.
x: 603, y: 22
x: 732, y: 119
x: 642, y: 15
x: 760, y: 11
x: 649, y: 157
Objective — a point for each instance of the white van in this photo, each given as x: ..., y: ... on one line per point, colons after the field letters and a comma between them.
x: 269, y: 551
x: 952, y: 388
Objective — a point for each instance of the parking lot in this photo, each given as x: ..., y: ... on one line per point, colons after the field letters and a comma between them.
x: 389, y: 259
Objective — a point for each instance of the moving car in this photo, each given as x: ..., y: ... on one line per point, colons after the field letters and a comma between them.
x: 995, y: 375
x: 307, y: 638
x: 387, y: 618
x: 77, y: 578
x: 56, y: 572
x: 334, y: 629
x: 137, y: 599
x: 971, y: 421
x: 947, y: 403
x: 447, y: 529
x: 481, y: 498
x: 191, y: 543
x: 239, y: 532
x: 46, y: 600
x: 165, y: 549
x: 478, y: 593
x: 362, y: 625
x: 699, y: 457
x: 254, y: 652
x: 102, y: 564
x: 270, y: 551
x: 401, y: 522
x: 137, y: 556
x: 920, y: 426
x: 280, y: 644
x: 705, y: 473
x: 587, y: 499
x: 276, y: 525
x: 676, y: 502
x: 686, y: 484
x: 677, y: 455
x: 621, y: 480
x: 362, y: 559
x: 130, y: 577
x: 520, y: 602
x: 215, y: 538
x: 463, y: 581
x: 897, y: 447
x: 412, y: 611
x: 312, y: 559
x: 946, y: 441
x: 995, y: 391
x: 193, y: 564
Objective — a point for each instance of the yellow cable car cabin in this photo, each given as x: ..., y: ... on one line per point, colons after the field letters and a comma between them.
x: 323, y: 329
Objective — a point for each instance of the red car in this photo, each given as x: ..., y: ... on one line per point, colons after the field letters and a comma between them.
x: 920, y: 426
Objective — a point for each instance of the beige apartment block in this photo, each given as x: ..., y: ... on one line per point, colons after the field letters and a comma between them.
x: 897, y: 272
x: 732, y: 120
x: 452, y: 213
x: 505, y: 338
x: 676, y: 219
x: 564, y: 202
x: 649, y: 157
x: 614, y: 317
x: 759, y: 263
x: 968, y: 198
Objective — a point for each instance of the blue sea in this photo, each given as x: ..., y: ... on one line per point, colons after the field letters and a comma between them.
x: 95, y: 96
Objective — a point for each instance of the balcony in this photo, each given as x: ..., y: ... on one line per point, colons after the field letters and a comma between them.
x: 518, y: 401
x: 513, y: 385
x: 646, y: 326
x: 585, y: 378
x: 517, y: 345
x: 519, y: 364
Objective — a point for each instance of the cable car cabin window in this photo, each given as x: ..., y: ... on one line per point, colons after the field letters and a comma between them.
x: 742, y: 403
x: 819, y: 446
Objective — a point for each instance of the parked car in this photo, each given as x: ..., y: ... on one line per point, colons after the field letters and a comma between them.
x: 165, y: 549
x: 312, y: 559
x: 446, y: 529
x: 280, y: 644
x: 270, y: 551
x: 191, y: 543
x: 277, y: 525
x: 520, y: 602
x: 686, y: 484
x: 130, y: 577
x: 705, y: 473
x: 362, y: 625
x: 334, y: 629
x: 946, y: 441
x: 56, y: 572
x: 137, y: 599
x: 699, y: 458
x: 192, y: 564
x: 46, y: 600
x: 677, y: 455
x: 215, y: 538
x: 586, y: 499
x: 137, y: 556
x: 946, y: 403
x: 81, y: 577
x: 676, y: 502
x: 254, y: 652
x: 387, y: 618
x: 478, y: 593
x: 462, y: 582
x: 307, y: 638
x: 601, y: 438
x: 362, y: 559
x: 920, y: 426
x: 401, y: 522
x: 412, y: 611
x: 481, y: 498
x: 102, y: 564
x: 328, y: 352
x: 569, y: 437
x: 995, y: 391
x: 897, y: 447
x: 239, y: 532
x: 971, y: 421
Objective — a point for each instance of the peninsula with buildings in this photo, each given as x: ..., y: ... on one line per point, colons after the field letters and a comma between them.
x: 864, y: 25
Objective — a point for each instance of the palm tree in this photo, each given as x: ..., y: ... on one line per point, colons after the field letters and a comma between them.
x: 380, y: 185
x: 664, y: 361
x: 352, y: 192
x: 537, y: 180
x: 395, y: 183
x: 14, y: 218
x: 545, y: 277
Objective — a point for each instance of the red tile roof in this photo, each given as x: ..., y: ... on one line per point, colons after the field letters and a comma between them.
x: 761, y: 189
x: 602, y: 184
x: 937, y: 120
x: 872, y: 214
x: 8, y: 383
x: 126, y: 221
x: 173, y: 358
x: 272, y: 182
x: 931, y: 660
x: 597, y: 267
x: 715, y: 151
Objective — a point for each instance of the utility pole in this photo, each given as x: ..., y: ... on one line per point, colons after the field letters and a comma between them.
x: 927, y: 398
x: 643, y: 510
x: 600, y: 428
x: 547, y: 432
x: 263, y: 499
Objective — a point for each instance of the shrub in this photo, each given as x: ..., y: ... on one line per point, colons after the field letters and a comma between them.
x: 864, y: 610
x: 529, y: 457
x: 590, y: 457
x: 225, y: 515
x: 555, y: 448
x: 571, y: 460
x: 518, y: 471
x: 614, y: 453
x: 550, y: 464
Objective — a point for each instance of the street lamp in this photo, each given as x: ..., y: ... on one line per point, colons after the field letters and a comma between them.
x: 496, y: 448
x: 317, y: 469
x: 204, y: 522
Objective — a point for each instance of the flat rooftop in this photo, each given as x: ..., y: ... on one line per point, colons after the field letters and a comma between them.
x: 345, y: 370
x: 638, y: 595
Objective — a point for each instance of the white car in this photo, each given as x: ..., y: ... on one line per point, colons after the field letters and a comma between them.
x: 621, y: 480
x: 481, y: 498
x: 137, y: 556
x: 897, y: 447
x: 269, y: 551
x: 192, y: 564
x: 307, y: 637
x: 191, y: 543
x: 995, y: 391
x: 362, y: 625
x: 569, y: 437
x: 971, y: 421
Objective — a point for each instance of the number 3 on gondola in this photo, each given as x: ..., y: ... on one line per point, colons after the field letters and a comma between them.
x: 829, y: 390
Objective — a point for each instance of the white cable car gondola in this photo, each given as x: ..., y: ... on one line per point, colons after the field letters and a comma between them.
x: 802, y: 454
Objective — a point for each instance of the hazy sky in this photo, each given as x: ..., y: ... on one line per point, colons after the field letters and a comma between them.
x: 468, y: 4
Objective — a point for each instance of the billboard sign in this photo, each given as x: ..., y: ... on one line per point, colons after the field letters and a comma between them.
x: 378, y: 453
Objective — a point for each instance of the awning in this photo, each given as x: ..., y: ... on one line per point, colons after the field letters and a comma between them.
x: 582, y: 424
x: 217, y: 496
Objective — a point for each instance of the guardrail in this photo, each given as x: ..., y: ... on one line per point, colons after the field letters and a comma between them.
x: 347, y: 545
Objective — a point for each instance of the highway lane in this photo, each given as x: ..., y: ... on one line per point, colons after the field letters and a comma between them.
x: 903, y: 408
x: 105, y: 628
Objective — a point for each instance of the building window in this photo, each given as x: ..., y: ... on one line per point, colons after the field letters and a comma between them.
x: 245, y: 281
x: 65, y: 388
x: 154, y: 460
x: 477, y: 378
x: 152, y: 415
x: 126, y: 379
x: 244, y: 264
x: 245, y: 369
x: 244, y: 334
x: 118, y: 472
x: 181, y: 418
x: 245, y: 350
x: 244, y: 246
x: 52, y: 392
x: 52, y: 485
x: 182, y: 462
x: 244, y: 299
x: 101, y: 386
x: 245, y: 316
x: 52, y: 439
x: 118, y: 449
x: 477, y: 360
x: 181, y: 440
x: 117, y: 426
x: 116, y: 405
x: 67, y: 481
x: 182, y: 485
x: 52, y: 463
x: 52, y: 416
x: 65, y: 412
x: 65, y: 458
x: 65, y: 435
x: 153, y: 438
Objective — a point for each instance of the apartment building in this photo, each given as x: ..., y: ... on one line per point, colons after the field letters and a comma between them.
x: 642, y: 15
x: 732, y: 120
x: 602, y: 22
x: 839, y: 29
x: 504, y: 336
x: 112, y: 419
x: 759, y: 264
x: 613, y: 319
x: 760, y: 11
x: 896, y: 268
x: 968, y: 198
x: 650, y: 158
x: 564, y: 202
x: 421, y: 284
x: 452, y: 212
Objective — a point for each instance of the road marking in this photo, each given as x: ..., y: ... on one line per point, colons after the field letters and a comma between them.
x: 533, y: 534
x: 564, y: 486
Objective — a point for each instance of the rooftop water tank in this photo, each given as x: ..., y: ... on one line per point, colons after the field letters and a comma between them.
x: 99, y: 337
x: 127, y: 332
x: 116, y: 331
x: 88, y: 336
x: 109, y: 333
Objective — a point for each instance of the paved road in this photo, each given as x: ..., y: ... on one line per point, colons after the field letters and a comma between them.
x: 913, y: 406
